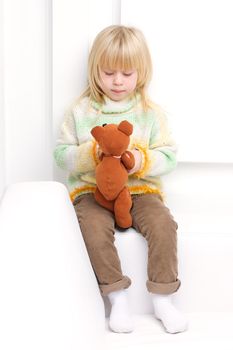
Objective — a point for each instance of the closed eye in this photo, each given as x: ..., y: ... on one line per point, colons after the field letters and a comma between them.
x: 127, y: 74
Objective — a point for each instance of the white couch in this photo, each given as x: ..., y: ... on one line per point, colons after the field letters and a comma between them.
x: 49, y: 298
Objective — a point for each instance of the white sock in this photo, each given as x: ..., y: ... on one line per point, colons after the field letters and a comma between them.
x: 120, y: 320
x: 173, y: 320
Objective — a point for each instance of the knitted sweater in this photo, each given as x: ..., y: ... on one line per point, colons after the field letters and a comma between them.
x: 76, y: 149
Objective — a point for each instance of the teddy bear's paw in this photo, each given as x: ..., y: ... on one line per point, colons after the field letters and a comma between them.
x: 124, y: 222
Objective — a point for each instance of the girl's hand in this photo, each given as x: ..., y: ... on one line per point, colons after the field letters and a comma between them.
x: 99, y: 152
x: 138, y: 161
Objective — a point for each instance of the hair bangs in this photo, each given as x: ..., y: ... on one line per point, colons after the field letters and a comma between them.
x: 118, y: 55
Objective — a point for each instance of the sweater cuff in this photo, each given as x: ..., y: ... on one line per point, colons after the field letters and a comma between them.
x: 145, y: 161
x: 94, y: 152
x: 85, y: 158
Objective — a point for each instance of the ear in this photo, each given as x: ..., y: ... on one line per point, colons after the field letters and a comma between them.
x: 97, y: 132
x: 125, y: 127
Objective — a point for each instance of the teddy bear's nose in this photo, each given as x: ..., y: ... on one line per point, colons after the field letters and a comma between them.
x: 104, y: 124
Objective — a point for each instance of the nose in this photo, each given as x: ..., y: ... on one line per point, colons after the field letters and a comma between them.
x: 117, y: 78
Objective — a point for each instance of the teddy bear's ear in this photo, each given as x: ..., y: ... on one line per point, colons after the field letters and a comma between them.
x: 125, y: 127
x: 97, y: 132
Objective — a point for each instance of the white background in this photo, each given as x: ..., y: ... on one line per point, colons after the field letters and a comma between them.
x: 192, y: 47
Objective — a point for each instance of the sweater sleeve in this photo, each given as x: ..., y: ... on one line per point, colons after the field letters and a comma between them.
x: 160, y: 157
x: 69, y: 154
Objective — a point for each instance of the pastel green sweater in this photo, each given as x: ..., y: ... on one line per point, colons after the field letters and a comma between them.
x: 76, y: 149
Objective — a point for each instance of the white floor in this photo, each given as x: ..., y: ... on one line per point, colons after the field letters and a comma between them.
x: 206, y: 331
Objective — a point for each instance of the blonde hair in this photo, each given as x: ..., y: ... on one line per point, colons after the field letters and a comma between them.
x: 119, y: 47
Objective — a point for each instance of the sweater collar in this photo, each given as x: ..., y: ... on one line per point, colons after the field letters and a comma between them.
x: 115, y: 107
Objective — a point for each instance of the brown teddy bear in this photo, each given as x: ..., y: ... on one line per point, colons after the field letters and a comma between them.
x: 111, y: 172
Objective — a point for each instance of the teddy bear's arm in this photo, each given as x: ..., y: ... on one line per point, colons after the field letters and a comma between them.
x: 127, y: 159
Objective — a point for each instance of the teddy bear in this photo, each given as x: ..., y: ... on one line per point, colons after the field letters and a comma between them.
x: 112, y: 171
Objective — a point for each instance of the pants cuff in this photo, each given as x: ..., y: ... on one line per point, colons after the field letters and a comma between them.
x: 105, y: 289
x: 163, y: 288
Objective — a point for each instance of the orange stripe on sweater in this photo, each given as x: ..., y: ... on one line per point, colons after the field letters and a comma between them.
x: 83, y: 189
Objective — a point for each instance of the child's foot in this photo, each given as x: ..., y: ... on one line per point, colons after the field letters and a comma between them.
x: 120, y: 318
x: 173, y: 320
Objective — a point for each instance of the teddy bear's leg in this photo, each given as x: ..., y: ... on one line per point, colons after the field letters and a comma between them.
x: 103, y: 201
x: 122, y: 206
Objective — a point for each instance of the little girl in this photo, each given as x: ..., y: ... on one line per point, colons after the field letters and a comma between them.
x: 119, y: 70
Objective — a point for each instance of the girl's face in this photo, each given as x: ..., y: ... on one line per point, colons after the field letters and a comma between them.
x: 117, y: 84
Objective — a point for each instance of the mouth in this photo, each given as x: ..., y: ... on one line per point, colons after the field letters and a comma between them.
x: 118, y: 91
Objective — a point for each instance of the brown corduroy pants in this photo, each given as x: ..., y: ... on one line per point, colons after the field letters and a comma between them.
x: 153, y: 220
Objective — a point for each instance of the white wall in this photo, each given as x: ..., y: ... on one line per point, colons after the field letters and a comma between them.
x: 191, y: 46
x: 2, y: 126
x: 44, y: 61
x: 26, y: 91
